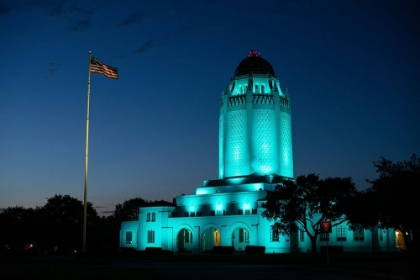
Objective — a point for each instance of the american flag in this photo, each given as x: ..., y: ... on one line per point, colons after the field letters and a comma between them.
x: 98, y: 67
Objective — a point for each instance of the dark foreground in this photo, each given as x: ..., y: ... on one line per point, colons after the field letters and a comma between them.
x: 209, y: 266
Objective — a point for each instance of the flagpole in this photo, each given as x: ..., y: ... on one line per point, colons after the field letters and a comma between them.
x: 86, y: 158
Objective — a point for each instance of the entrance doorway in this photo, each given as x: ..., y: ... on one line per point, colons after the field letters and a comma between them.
x: 185, y: 240
x: 240, y: 239
x: 211, y: 238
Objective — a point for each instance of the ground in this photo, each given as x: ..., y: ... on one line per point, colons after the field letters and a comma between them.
x: 209, y: 266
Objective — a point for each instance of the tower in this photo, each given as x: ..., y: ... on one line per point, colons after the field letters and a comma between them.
x: 255, y: 130
x: 255, y: 144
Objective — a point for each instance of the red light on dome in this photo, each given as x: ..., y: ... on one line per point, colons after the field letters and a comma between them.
x: 254, y: 53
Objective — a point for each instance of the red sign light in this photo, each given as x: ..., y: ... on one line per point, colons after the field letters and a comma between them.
x: 325, y: 227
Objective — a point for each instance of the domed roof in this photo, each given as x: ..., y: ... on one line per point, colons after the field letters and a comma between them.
x: 254, y: 63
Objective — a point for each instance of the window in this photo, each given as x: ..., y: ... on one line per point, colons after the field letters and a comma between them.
x: 262, y: 89
x: 128, y: 237
x: 148, y: 217
x: 153, y: 216
x: 243, y: 235
x: 254, y: 211
x: 359, y: 235
x: 324, y: 237
x: 150, y: 236
x: 302, y: 235
x: 225, y: 212
x: 257, y: 89
x: 192, y: 206
x: 341, y: 234
x: 275, y: 236
x: 247, y: 207
x: 219, y: 207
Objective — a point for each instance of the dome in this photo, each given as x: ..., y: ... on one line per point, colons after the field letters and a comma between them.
x: 254, y: 63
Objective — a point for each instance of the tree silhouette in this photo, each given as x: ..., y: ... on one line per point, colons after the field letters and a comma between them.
x: 390, y: 202
x: 62, y: 226
x: 17, y: 227
x: 304, y: 203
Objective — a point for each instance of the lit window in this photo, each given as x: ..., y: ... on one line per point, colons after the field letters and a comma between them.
x: 359, y: 235
x: 275, y: 235
x: 341, y: 234
x: 150, y: 236
x: 128, y: 237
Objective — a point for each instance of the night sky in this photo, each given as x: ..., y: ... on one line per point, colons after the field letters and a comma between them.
x: 351, y: 67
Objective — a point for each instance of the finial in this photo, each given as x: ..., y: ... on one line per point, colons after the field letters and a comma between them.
x: 254, y: 53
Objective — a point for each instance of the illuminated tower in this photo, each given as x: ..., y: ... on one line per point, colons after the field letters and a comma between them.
x: 255, y: 131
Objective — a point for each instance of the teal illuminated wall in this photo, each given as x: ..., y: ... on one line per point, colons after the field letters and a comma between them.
x: 255, y: 132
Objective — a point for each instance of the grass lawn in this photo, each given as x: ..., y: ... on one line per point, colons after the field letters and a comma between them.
x: 69, y: 269
x: 97, y: 266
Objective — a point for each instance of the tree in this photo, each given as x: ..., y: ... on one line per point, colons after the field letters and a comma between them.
x: 390, y: 200
x: 362, y: 211
x: 129, y: 210
x: 17, y: 226
x: 304, y: 203
x: 62, y: 224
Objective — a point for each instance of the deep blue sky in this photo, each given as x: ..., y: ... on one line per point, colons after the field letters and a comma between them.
x: 351, y: 67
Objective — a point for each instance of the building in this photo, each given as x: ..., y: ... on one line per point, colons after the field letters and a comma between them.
x: 255, y: 153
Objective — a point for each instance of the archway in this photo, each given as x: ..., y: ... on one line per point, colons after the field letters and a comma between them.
x: 240, y: 238
x: 210, y: 239
x: 185, y: 240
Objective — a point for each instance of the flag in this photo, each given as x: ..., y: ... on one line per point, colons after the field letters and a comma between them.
x: 98, y: 67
